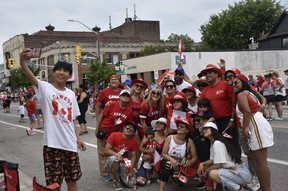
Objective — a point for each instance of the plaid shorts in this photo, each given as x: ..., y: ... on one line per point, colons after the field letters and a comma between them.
x: 59, y: 164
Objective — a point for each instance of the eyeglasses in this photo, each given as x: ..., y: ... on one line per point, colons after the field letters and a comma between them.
x: 230, y: 77
x: 125, y: 95
x: 169, y: 86
x: 130, y: 128
x: 159, y: 123
x: 139, y: 86
x: 155, y: 93
x: 197, y: 120
x: 181, y: 125
x: 235, y: 83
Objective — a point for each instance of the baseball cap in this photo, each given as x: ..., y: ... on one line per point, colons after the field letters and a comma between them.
x: 124, y: 92
x: 208, y: 124
x: 179, y: 70
x: 242, y: 77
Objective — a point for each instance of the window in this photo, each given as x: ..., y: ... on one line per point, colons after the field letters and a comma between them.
x: 285, y: 42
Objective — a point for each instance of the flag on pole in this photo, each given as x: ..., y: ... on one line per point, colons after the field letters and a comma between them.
x: 181, y: 58
x: 164, y: 75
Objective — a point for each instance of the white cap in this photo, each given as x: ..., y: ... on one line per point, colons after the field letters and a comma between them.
x: 208, y: 124
x: 124, y: 92
x: 161, y: 119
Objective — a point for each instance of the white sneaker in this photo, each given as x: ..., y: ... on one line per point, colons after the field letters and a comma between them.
x: 254, y: 185
x: 279, y: 118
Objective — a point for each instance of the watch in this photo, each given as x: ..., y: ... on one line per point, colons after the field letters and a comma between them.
x: 231, y: 119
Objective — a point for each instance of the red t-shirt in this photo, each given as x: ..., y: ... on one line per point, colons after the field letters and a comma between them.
x: 220, y: 96
x: 108, y: 95
x: 118, y: 143
x: 147, y: 115
x: 31, y: 107
x: 114, y: 117
x: 135, y: 106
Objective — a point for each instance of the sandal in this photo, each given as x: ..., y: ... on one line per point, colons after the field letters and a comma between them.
x: 85, y: 132
x: 81, y: 133
x: 148, y: 182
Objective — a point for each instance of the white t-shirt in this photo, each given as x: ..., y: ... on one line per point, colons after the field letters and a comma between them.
x: 59, y: 109
x: 21, y: 110
x: 185, y: 84
x: 219, y: 155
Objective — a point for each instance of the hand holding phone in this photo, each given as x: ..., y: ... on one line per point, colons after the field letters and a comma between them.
x: 34, y: 53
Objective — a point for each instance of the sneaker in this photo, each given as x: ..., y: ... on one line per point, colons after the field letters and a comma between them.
x: 117, y: 185
x: 254, y: 185
x: 279, y: 118
x: 200, y: 186
x: 33, y: 132
x: 107, y: 178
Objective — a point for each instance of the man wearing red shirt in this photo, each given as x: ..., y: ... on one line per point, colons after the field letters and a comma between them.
x: 221, y: 96
x: 112, y: 119
x: 31, y: 109
x: 109, y: 94
x: 121, y: 145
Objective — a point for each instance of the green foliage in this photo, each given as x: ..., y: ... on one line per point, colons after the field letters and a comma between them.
x: 232, y: 28
x: 18, y: 78
x: 98, y: 72
x: 186, y: 41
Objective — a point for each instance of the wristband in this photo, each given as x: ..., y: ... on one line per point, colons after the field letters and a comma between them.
x: 232, y: 119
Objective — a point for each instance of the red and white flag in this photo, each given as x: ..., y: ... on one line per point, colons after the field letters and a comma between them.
x: 181, y: 58
x: 157, y: 159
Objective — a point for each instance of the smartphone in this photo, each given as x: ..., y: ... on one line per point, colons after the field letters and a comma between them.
x: 34, y: 53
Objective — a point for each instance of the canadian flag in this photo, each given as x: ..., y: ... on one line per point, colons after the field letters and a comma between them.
x: 181, y: 58
x: 157, y: 159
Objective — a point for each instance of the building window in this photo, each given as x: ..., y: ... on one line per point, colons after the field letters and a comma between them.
x: 285, y: 43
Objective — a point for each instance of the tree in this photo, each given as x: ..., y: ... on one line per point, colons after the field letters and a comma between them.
x: 98, y: 72
x: 186, y: 41
x: 18, y: 78
x: 232, y: 28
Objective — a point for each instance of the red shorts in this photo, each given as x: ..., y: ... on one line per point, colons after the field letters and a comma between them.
x: 59, y: 164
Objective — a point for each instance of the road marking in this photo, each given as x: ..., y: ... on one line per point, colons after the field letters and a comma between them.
x: 282, y: 162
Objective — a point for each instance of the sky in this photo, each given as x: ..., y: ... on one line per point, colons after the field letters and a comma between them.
x: 178, y: 17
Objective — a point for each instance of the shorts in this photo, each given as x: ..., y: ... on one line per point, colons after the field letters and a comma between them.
x: 279, y: 98
x: 38, y: 112
x: 22, y: 115
x: 270, y: 98
x: 261, y: 134
x: 32, y: 117
x: 59, y: 164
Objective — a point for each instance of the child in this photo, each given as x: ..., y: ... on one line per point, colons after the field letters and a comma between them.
x: 147, y: 147
x: 31, y: 109
x: 204, y: 105
x: 21, y: 111
x: 61, y: 136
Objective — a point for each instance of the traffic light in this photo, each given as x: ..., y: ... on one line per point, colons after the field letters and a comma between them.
x: 66, y: 57
x: 11, y: 62
x: 78, y: 59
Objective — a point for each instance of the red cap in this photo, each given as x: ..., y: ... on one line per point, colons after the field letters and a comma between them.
x: 242, y: 77
x: 140, y: 81
x: 213, y: 68
x: 190, y: 88
x: 234, y: 71
x: 185, y: 121
x: 180, y: 96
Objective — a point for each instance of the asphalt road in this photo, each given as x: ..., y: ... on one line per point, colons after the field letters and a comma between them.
x: 17, y: 147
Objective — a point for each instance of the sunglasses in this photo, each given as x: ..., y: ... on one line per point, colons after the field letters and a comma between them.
x: 155, y: 93
x: 181, y: 125
x: 230, y: 77
x: 169, y: 86
x: 235, y: 83
x: 197, y: 120
x: 159, y: 123
x: 130, y: 128
x: 139, y: 86
x: 125, y: 95
x: 178, y: 74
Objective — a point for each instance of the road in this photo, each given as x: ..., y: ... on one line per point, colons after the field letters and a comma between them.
x: 17, y: 147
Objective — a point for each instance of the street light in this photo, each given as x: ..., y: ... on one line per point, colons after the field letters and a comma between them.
x: 96, y: 30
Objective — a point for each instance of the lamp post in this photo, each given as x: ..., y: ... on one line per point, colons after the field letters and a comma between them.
x: 96, y: 30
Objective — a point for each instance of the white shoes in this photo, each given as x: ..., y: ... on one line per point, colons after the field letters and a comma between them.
x: 279, y: 118
x: 254, y: 185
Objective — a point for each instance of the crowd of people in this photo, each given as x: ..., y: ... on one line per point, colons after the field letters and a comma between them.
x: 179, y: 129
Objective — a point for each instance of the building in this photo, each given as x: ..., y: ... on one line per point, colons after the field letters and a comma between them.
x: 277, y: 38
x: 123, y: 42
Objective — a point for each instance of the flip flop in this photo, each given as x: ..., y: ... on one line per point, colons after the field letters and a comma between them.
x: 85, y: 132
x: 27, y: 132
x: 81, y: 133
